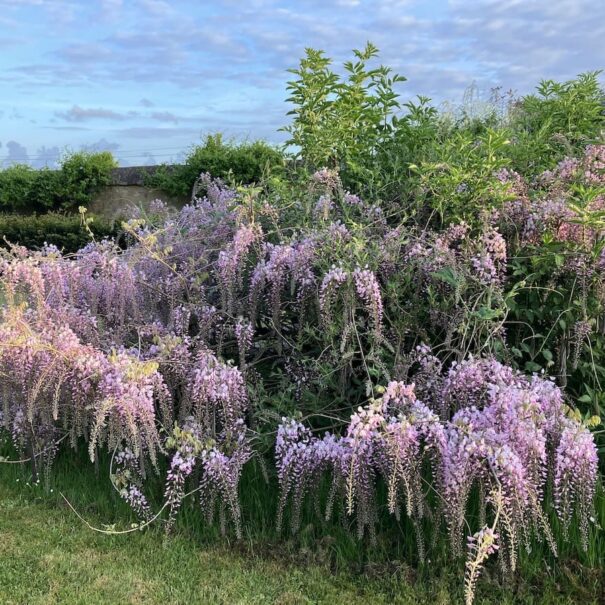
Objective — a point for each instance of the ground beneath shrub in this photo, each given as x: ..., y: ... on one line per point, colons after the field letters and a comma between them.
x: 49, y: 556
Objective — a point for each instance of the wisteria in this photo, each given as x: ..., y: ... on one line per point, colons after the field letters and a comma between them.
x: 293, y: 261
x: 575, y: 472
x: 498, y: 440
x: 368, y: 290
x: 405, y: 384
x: 57, y: 381
x: 363, y: 283
x: 244, y: 333
x: 229, y: 263
x: 332, y: 280
x: 128, y: 480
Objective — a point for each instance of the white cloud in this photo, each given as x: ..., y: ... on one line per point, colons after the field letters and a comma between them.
x: 229, y: 56
x: 81, y: 114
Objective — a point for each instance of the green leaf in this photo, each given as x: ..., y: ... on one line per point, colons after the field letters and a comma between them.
x: 487, y: 314
x: 532, y: 366
x: 448, y: 275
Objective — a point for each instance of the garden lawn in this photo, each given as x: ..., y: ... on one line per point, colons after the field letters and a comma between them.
x: 50, y: 556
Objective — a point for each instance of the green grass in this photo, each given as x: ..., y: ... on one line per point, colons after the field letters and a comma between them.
x: 50, y: 556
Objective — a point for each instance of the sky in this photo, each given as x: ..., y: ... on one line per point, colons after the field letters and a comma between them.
x: 146, y: 79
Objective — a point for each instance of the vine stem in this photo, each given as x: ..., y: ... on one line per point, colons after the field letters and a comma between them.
x: 114, y: 532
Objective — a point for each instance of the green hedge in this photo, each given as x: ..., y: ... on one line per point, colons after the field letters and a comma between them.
x: 241, y: 163
x: 63, y: 230
x: 26, y: 190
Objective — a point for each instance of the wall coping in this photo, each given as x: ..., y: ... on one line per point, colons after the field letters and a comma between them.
x: 135, y: 175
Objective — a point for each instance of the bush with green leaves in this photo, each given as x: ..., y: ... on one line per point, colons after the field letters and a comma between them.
x: 557, y: 121
x: 239, y: 163
x: 65, y: 231
x: 83, y: 174
x: 80, y: 175
x: 461, y: 183
x: 427, y: 343
x: 342, y: 122
x: 25, y: 189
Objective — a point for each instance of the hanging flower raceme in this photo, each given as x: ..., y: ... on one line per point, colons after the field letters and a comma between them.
x: 366, y: 288
x: 231, y: 260
x: 292, y: 261
x: 220, y: 462
x: 125, y: 412
x: 328, y: 291
x: 244, y: 333
x: 576, y: 463
x: 211, y: 436
x: 61, y: 384
x: 217, y: 396
x: 128, y: 480
x: 390, y: 437
x: 497, y: 441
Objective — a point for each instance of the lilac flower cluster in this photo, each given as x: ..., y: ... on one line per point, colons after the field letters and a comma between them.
x: 300, y: 459
x: 323, y: 207
x: 244, y: 333
x: 366, y: 287
x: 575, y: 471
x: 283, y: 261
x: 388, y: 437
x: 368, y: 290
x: 58, y: 381
x: 217, y: 395
x: 490, y: 263
x: 327, y: 178
x: 495, y: 431
x: 589, y: 168
x: 188, y: 445
x: 552, y: 209
x: 483, y: 258
x: 220, y: 461
x: 480, y: 546
x: 128, y: 481
x: 328, y: 291
x: 230, y: 261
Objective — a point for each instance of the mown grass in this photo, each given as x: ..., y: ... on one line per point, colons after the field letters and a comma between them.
x: 50, y: 556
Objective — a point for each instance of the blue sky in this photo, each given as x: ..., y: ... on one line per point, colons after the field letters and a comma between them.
x: 147, y: 78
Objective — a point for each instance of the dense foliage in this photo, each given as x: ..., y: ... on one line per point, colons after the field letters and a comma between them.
x: 65, y: 231
x: 240, y: 163
x: 433, y: 351
x: 26, y: 190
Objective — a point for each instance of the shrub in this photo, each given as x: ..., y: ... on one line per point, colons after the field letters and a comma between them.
x: 66, y: 232
x: 26, y: 190
x: 558, y: 121
x: 82, y: 175
x: 460, y: 183
x: 342, y: 123
x: 242, y: 163
x: 113, y: 345
x: 424, y: 361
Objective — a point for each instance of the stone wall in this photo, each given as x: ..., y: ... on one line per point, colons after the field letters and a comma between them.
x: 126, y: 191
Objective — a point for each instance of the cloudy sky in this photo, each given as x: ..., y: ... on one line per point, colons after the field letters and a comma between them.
x: 147, y: 78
